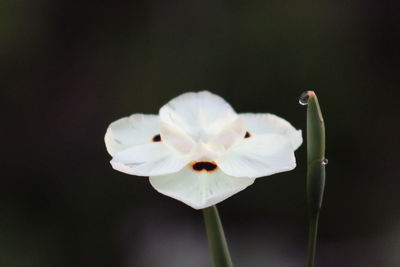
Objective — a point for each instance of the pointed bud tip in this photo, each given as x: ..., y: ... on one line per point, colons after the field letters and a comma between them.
x: 311, y: 94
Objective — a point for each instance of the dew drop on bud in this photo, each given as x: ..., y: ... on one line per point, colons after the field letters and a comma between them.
x: 324, y: 161
x: 303, y: 99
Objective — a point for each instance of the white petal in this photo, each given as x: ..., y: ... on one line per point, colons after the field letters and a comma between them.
x: 259, y: 155
x: 265, y: 123
x: 149, y: 159
x: 176, y: 138
x: 199, y: 190
x: 128, y: 131
x: 219, y: 143
x: 198, y: 114
x: 231, y: 134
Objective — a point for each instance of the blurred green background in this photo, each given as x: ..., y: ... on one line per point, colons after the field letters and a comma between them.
x: 69, y: 68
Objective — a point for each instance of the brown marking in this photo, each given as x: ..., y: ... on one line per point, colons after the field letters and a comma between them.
x: 208, y: 166
x: 157, y: 138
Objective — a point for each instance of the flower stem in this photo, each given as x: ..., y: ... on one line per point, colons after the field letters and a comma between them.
x: 312, y: 239
x: 315, y: 170
x: 216, y: 238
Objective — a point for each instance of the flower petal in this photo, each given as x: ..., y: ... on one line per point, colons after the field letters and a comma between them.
x: 176, y: 138
x: 258, y: 156
x: 149, y: 159
x: 231, y: 134
x: 198, y: 114
x: 128, y: 131
x: 199, y: 190
x: 265, y: 123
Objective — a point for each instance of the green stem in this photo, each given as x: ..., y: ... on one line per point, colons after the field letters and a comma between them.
x: 216, y: 238
x: 315, y: 169
x: 312, y: 239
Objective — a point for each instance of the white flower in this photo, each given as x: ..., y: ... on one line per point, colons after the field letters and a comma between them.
x: 199, y: 150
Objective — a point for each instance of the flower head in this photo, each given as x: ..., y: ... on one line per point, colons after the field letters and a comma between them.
x: 199, y: 150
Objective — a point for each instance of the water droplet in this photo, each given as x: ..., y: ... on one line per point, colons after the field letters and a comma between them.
x: 303, y: 99
x: 324, y: 161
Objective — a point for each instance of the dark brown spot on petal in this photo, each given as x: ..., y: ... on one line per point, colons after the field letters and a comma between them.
x: 247, y: 135
x: 157, y: 138
x: 208, y: 166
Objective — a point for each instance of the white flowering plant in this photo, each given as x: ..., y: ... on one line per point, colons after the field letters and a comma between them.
x: 199, y: 151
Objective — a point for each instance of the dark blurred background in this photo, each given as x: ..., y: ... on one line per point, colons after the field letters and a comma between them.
x: 69, y: 68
